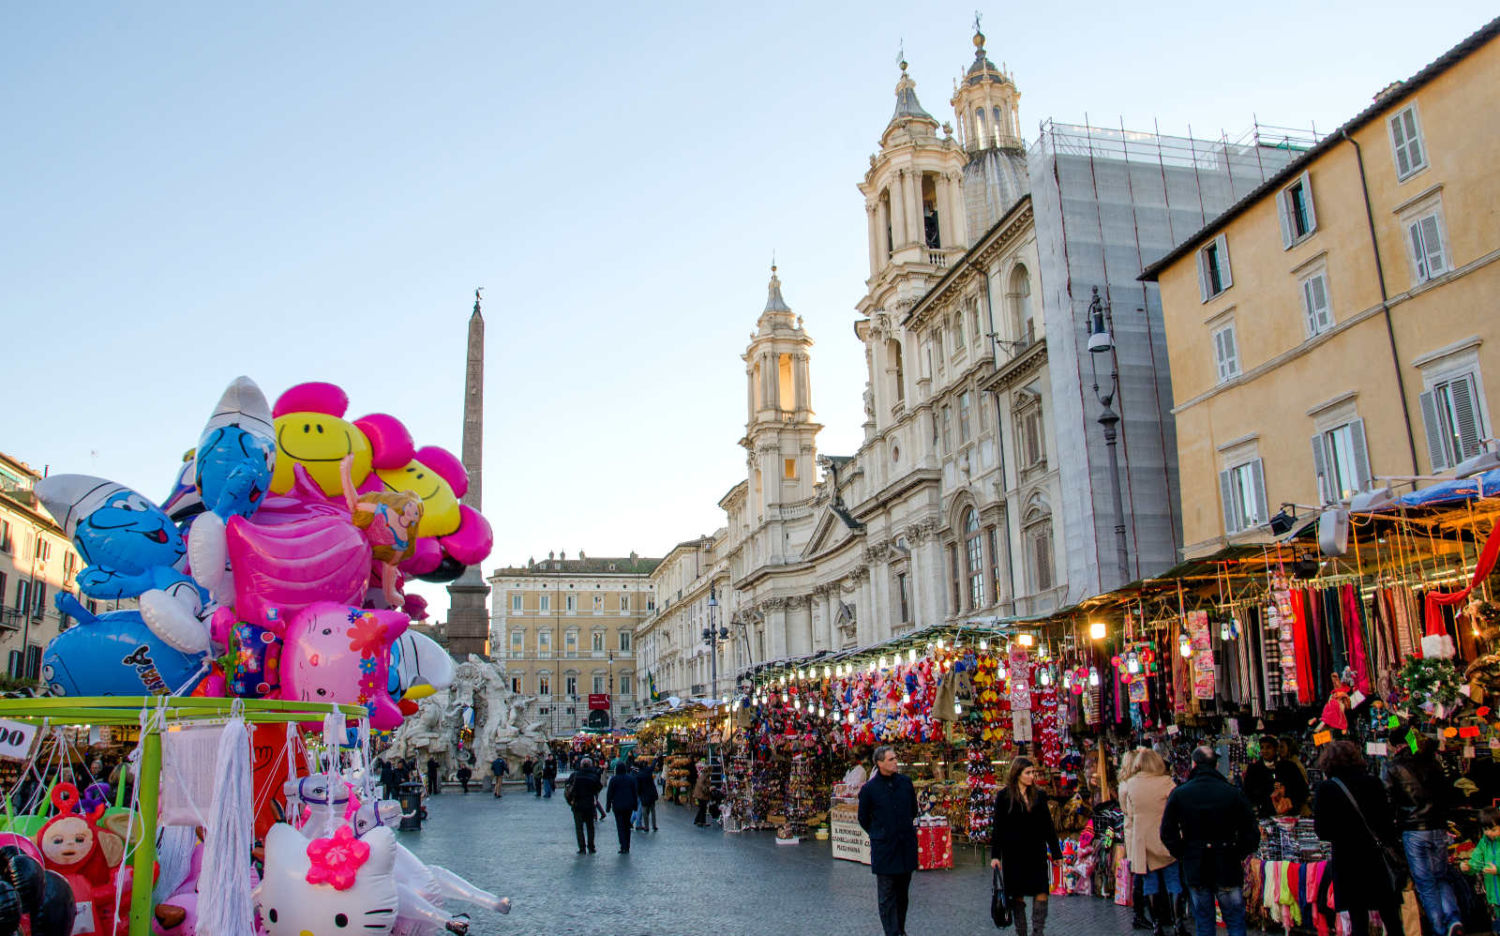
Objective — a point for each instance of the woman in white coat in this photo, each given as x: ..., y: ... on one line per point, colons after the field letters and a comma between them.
x: 1143, y: 799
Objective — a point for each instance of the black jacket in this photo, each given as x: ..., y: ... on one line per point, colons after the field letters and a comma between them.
x: 1022, y: 837
x: 549, y: 769
x: 645, y: 786
x: 1259, y: 782
x: 585, y: 786
x: 498, y: 767
x: 1419, y: 791
x: 887, y: 809
x: 622, y: 798
x: 527, y: 766
x: 1210, y: 827
x: 1359, y: 877
x: 1293, y: 779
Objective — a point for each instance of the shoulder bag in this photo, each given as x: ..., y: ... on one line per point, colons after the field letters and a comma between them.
x: 999, y: 907
x: 1392, y: 857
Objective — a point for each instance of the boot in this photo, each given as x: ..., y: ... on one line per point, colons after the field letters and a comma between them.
x: 1018, y: 916
x: 1161, y: 913
x: 1138, y: 903
x: 1039, y: 917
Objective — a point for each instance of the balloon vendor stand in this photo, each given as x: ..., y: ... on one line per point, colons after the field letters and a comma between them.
x: 154, y: 715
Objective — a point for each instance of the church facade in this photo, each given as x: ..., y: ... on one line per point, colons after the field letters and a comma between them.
x: 982, y: 487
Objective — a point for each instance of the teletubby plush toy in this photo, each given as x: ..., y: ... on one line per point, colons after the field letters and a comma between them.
x: 87, y: 856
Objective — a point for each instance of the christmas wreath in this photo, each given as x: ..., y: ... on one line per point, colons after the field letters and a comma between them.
x: 1431, y: 684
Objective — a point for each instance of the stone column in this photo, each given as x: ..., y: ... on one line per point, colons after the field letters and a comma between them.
x: 871, y: 218
x: 772, y: 371
x: 864, y: 601
x: 800, y: 381
x: 958, y: 225
x: 918, y: 235
x: 882, y: 222
x: 945, y: 219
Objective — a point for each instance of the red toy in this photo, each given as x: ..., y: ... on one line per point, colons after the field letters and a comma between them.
x: 87, y: 855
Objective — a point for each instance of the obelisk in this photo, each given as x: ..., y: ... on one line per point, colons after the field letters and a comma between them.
x: 468, y: 611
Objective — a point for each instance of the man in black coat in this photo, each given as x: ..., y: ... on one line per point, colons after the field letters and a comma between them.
x: 1209, y: 825
x: 582, y: 794
x: 645, y: 788
x: 888, y: 811
x: 622, y: 801
x: 549, y: 775
x: 1260, y: 777
x: 432, y: 775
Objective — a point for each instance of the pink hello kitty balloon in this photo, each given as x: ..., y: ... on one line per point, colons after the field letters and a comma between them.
x: 332, y: 652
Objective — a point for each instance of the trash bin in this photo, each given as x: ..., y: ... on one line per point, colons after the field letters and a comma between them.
x: 411, y: 806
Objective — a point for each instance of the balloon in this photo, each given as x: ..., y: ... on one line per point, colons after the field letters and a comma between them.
x: 172, y: 613
x: 390, y: 444
x: 236, y: 452
x: 114, y: 654
x: 447, y: 570
x: 290, y: 566
x: 58, y: 911
x: 440, y: 514
x: 254, y: 654
x: 184, y: 503
x: 471, y: 544
x: 419, y: 666
x: 336, y: 653
x: 129, y: 544
x: 292, y: 906
x: 311, y: 431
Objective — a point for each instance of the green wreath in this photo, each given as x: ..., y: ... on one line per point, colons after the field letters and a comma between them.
x: 1430, y: 682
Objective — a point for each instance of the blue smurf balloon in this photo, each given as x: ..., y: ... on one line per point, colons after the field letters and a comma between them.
x: 237, y: 452
x: 115, y: 654
x: 129, y: 544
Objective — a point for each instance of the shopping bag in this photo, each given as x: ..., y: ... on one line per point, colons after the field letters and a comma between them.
x: 1411, y: 911
x: 999, y: 908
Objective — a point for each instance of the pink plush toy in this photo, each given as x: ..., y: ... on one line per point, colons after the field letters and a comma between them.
x: 178, y: 914
x: 333, y: 652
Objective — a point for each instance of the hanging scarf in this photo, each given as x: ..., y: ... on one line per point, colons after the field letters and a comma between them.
x: 1300, y: 644
x: 1358, y: 658
x: 1437, y: 600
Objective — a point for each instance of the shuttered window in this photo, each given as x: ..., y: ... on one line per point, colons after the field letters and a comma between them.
x: 1226, y: 353
x: 1426, y: 237
x: 1454, y: 424
x: 1294, y: 206
x: 1213, y: 268
x: 1406, y: 142
x: 1242, y: 491
x: 1319, y: 316
x: 1341, y: 460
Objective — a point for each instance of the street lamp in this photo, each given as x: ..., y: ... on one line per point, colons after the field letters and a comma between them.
x: 712, y: 636
x: 1101, y: 341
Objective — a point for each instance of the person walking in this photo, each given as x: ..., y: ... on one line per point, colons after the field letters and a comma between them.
x: 498, y: 770
x: 1484, y: 862
x: 582, y: 795
x: 432, y: 775
x: 1021, y: 838
x: 700, y: 794
x: 621, y: 799
x: 549, y: 776
x: 1351, y: 813
x: 1144, y: 799
x: 528, y: 767
x: 1138, y: 918
x: 888, y: 813
x: 389, y: 787
x: 1260, y: 777
x: 465, y: 773
x: 1422, y: 798
x: 645, y: 790
x: 1209, y: 826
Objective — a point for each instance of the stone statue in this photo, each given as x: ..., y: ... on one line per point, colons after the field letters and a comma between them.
x: 480, y: 698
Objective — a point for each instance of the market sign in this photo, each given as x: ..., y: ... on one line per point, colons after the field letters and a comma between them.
x: 16, y: 740
x: 599, y: 700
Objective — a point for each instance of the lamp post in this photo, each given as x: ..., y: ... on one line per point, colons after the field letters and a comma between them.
x: 712, y: 636
x: 611, y: 687
x: 1101, y: 341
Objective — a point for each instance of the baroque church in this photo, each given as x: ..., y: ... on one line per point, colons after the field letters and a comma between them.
x: 1001, y: 319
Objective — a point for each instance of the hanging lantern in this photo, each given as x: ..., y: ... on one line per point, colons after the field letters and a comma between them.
x: 1097, y: 630
x: 940, y: 643
x: 1132, y: 663
x: 1185, y: 646
x: 1046, y: 676
x: 1093, y: 675
x: 851, y: 718
x: 1025, y: 640
x: 797, y: 704
x: 822, y: 712
x: 958, y: 708
x: 984, y: 644
x: 827, y: 671
x: 882, y: 662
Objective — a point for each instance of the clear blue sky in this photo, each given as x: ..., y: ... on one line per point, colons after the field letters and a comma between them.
x: 193, y: 191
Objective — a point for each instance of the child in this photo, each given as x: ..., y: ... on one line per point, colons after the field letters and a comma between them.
x: 1485, y: 860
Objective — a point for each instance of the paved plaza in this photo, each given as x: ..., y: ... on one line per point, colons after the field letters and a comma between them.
x: 685, y: 880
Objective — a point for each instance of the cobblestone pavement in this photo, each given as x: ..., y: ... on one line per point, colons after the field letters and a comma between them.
x: 685, y: 880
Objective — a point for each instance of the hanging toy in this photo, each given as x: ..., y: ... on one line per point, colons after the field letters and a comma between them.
x: 87, y: 857
x: 328, y: 886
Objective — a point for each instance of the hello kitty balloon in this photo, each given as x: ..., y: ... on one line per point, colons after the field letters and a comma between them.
x: 332, y: 652
x: 328, y: 886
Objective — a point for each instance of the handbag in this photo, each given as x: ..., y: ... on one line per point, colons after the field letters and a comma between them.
x: 999, y: 907
x: 1391, y: 856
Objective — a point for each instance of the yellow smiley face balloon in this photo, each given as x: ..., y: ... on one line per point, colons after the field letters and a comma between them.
x: 440, y: 514
x: 311, y: 432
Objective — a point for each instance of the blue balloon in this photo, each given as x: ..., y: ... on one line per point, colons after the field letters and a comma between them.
x: 393, y: 676
x: 234, y: 470
x: 116, y: 654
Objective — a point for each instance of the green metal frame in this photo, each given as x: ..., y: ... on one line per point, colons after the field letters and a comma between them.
x: 126, y: 710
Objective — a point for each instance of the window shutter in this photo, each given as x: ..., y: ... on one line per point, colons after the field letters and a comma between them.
x: 1413, y: 139
x: 1432, y: 243
x: 1226, y: 494
x: 1258, y: 482
x: 1224, y: 276
x: 1203, y: 277
x: 1362, y: 474
x: 1398, y: 143
x: 1465, y: 415
x: 1320, y: 470
x: 1284, y: 215
x: 1307, y: 201
x: 1419, y: 253
x: 1310, y: 307
x: 1437, y: 451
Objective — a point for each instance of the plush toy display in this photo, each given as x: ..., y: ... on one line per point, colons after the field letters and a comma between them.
x: 87, y: 856
x: 328, y: 886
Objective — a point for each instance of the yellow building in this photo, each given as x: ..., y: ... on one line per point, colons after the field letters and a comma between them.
x: 565, y: 630
x: 1338, y: 325
x: 36, y: 562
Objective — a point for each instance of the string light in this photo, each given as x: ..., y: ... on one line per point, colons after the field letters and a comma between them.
x: 1097, y: 630
x: 1025, y: 640
x: 1185, y: 646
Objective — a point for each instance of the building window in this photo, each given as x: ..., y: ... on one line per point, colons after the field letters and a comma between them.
x: 598, y: 602
x: 974, y: 559
x: 5, y: 541
x: 41, y: 599
x: 1213, y: 268
x: 517, y: 643
x: 1425, y: 234
x: 544, y: 643
x: 1022, y: 325
x: 1315, y: 306
x: 1295, y: 207
x: 570, y: 643
x: 515, y: 602
x: 570, y: 602
x: 598, y: 641
x: 993, y: 537
x: 598, y: 684
x: 1242, y: 488
x: 1031, y: 441
x: 937, y: 344
x: 1038, y: 538
x: 955, y: 594
x: 903, y: 596
x: 515, y: 685
x: 544, y: 603
x: 624, y: 684
x: 1341, y: 460
x: 965, y: 403
x: 1406, y: 141
x: 624, y: 641
x: 624, y: 602
x: 947, y: 428
x: 1226, y: 353
x: 956, y: 327
x: 570, y: 684
x: 1454, y: 423
x: 2, y: 591
x: 789, y: 469
x: 544, y: 685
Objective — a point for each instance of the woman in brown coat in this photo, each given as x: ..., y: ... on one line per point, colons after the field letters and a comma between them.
x: 701, y: 790
x: 1144, y: 799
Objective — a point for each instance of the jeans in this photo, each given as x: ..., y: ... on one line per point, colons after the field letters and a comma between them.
x: 1231, y: 901
x: 530, y: 783
x: 584, y: 821
x: 893, y: 891
x: 622, y: 829
x: 548, y: 785
x: 648, y: 815
x: 1427, y: 857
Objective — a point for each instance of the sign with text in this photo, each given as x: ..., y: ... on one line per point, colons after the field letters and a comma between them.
x: 850, y: 842
x: 16, y: 740
x: 599, y: 700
